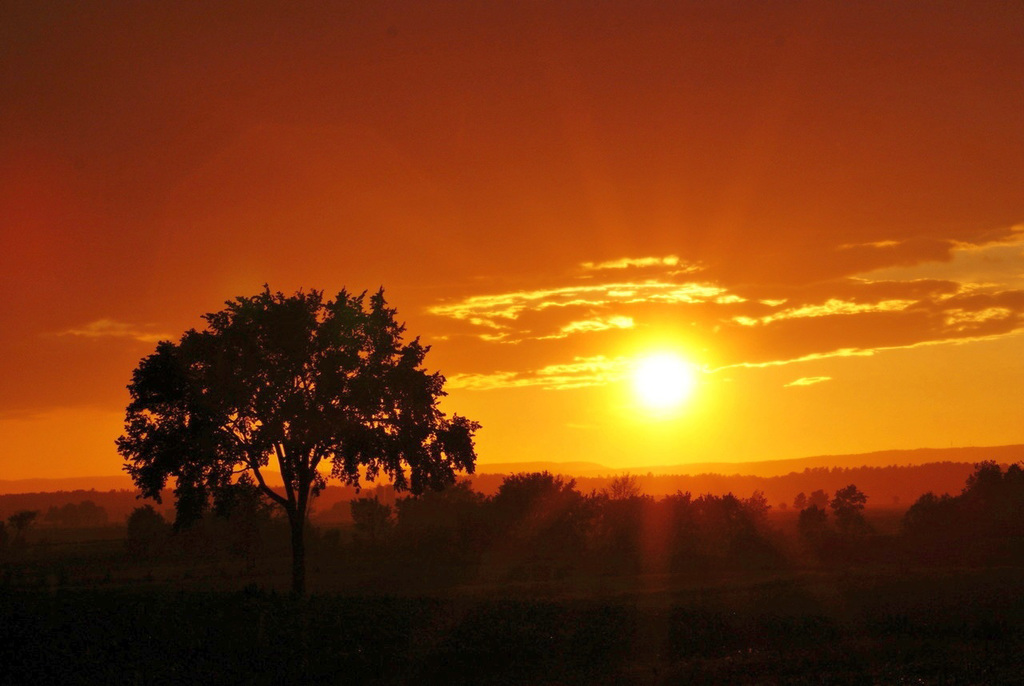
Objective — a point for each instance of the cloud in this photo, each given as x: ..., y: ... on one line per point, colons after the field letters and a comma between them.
x: 582, y: 372
x: 932, y: 292
x: 595, y: 324
x: 808, y: 381
x: 995, y: 258
x: 811, y: 357
x: 109, y: 328
x: 830, y: 307
x: 501, y: 311
x: 627, y: 262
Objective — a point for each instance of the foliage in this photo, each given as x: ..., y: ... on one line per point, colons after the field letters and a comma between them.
x: 985, y: 522
x: 541, y: 512
x: 84, y: 514
x: 889, y: 626
x: 848, y: 505
x: 20, y: 522
x: 147, y: 533
x: 298, y: 380
x: 818, y: 498
x: 372, y: 519
x: 449, y: 523
x: 624, y: 487
x: 813, y: 527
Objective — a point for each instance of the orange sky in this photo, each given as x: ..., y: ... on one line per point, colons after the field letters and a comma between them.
x: 820, y: 204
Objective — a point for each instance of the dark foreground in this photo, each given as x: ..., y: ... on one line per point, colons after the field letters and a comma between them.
x: 885, y: 627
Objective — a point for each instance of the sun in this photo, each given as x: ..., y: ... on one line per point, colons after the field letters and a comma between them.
x: 663, y: 381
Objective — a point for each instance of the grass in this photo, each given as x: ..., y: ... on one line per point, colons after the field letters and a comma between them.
x: 78, y: 611
x: 866, y: 626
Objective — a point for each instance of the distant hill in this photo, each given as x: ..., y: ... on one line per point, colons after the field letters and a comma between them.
x: 79, y: 483
x: 1004, y: 454
x: 573, y: 468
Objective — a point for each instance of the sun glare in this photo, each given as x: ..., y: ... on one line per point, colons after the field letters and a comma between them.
x: 664, y: 381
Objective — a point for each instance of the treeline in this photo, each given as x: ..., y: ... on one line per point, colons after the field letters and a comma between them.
x: 986, y: 521
x: 543, y: 517
x: 541, y: 525
x: 544, y: 521
x: 540, y: 517
x: 116, y: 506
x: 892, y: 486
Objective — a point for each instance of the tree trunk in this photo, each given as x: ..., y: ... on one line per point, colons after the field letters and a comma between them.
x: 298, y: 524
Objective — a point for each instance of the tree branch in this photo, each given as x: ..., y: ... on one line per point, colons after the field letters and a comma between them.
x: 286, y: 472
x: 273, y: 495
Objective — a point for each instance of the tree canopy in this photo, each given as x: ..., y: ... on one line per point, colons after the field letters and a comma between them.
x: 313, y: 388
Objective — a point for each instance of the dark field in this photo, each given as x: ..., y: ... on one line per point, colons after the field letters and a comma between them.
x: 884, y: 626
x: 561, y: 589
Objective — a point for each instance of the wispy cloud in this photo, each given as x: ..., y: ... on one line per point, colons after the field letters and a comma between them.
x: 628, y: 262
x: 808, y: 381
x: 872, y: 244
x: 499, y: 311
x: 842, y: 352
x: 858, y: 352
x: 580, y: 373
x: 934, y: 291
x: 960, y: 319
x: 594, y: 324
x: 830, y: 307
x: 109, y: 328
x: 997, y: 258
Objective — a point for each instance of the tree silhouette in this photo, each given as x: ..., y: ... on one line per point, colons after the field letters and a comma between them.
x: 20, y: 522
x: 813, y: 526
x: 448, y: 524
x: 372, y: 520
x: 624, y: 487
x: 818, y: 498
x: 147, y: 532
x: 541, y: 513
x: 985, y: 522
x: 306, y: 383
x: 847, y: 505
x: 250, y: 515
x: 86, y: 513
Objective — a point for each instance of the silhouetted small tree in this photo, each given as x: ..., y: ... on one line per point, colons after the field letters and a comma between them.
x: 84, y: 514
x: 848, y: 506
x: 248, y: 514
x: 813, y: 527
x: 448, y: 524
x: 624, y: 487
x: 620, y: 533
x: 147, y: 532
x: 757, y: 507
x: 677, y: 530
x: 372, y: 520
x: 20, y: 522
x: 723, y: 524
x: 818, y: 498
x: 540, y: 512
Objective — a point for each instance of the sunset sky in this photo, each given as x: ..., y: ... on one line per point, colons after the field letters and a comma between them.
x: 819, y: 206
